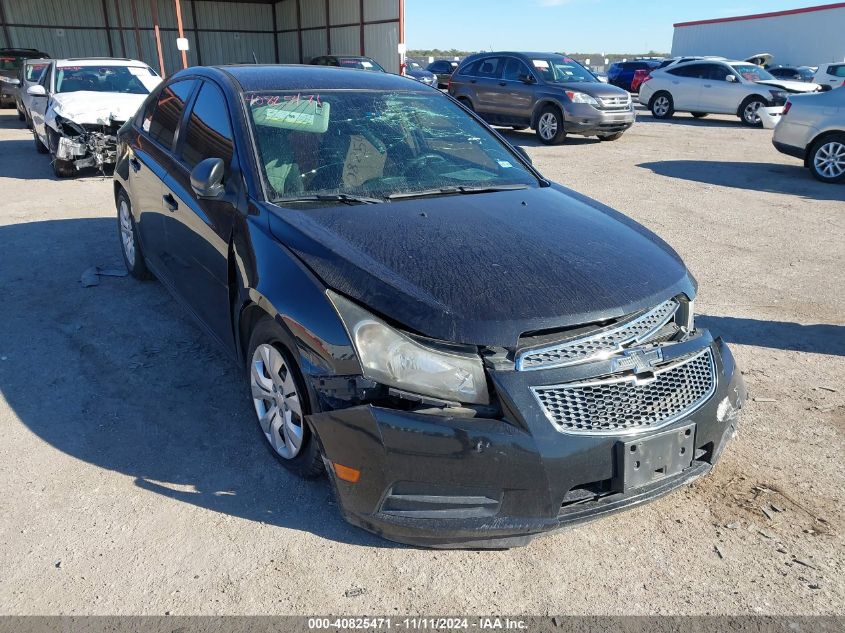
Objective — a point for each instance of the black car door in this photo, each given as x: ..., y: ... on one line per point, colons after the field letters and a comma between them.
x: 199, y: 229
x: 149, y: 160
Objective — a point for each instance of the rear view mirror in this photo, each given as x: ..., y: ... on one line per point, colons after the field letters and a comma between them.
x: 36, y: 91
x: 207, y: 178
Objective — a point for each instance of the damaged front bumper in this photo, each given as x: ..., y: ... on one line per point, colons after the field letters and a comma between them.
x: 435, y: 480
x: 86, y: 145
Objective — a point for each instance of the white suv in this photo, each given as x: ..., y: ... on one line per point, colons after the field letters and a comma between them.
x: 832, y: 75
x: 713, y: 86
x: 812, y: 128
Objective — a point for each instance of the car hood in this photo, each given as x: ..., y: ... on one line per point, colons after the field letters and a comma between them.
x: 485, y: 268
x: 790, y: 86
x: 88, y: 108
x: 419, y: 74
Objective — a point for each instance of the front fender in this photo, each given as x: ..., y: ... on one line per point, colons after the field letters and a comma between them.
x: 544, y: 99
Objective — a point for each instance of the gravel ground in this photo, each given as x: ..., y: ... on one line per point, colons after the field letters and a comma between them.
x: 133, y: 480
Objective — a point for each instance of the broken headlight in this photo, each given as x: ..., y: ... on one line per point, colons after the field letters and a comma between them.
x: 396, y: 359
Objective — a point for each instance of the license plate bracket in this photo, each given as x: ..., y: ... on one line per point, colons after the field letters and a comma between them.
x: 645, y: 460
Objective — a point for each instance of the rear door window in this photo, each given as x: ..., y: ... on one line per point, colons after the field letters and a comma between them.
x: 168, y: 111
x: 695, y: 71
x: 209, y: 130
x: 515, y: 70
x: 837, y: 71
x: 490, y: 68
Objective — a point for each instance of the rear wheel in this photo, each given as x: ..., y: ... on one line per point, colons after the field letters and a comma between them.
x: 699, y: 115
x: 466, y: 103
x: 550, y: 126
x: 749, y: 111
x: 280, y: 400
x: 662, y: 106
x: 827, y: 159
x: 21, y: 116
x: 133, y: 257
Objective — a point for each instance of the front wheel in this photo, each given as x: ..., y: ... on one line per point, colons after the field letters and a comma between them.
x: 280, y: 400
x: 21, y: 116
x: 39, y: 146
x: 550, y: 126
x: 827, y: 159
x: 749, y: 111
x: 63, y: 168
x: 662, y: 106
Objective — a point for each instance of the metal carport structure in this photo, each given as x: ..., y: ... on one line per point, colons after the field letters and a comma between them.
x: 218, y: 31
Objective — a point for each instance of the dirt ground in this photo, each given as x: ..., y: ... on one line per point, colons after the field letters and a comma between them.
x: 133, y: 480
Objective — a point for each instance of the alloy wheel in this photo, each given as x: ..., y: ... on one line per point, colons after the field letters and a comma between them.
x: 276, y: 401
x: 548, y: 126
x: 661, y: 106
x: 127, y: 236
x: 752, y: 116
x: 830, y: 159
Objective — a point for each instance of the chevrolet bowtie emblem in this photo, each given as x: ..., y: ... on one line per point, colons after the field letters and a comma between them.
x: 640, y: 361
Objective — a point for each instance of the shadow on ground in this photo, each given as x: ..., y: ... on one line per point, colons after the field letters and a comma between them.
x: 791, y: 180
x: 118, y: 376
x: 818, y: 338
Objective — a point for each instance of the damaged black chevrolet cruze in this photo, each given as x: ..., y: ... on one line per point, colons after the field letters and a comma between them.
x: 473, y: 354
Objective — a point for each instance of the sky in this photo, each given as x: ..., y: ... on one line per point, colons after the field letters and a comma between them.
x: 571, y: 26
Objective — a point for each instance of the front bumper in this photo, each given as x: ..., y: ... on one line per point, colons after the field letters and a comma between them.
x: 583, y: 119
x: 438, y: 481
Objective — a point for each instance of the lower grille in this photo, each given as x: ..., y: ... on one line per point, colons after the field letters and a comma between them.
x: 623, y: 405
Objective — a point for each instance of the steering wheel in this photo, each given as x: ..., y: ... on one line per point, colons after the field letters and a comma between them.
x: 426, y: 160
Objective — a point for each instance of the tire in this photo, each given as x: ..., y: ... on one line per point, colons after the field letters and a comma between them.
x: 63, y: 168
x: 280, y: 400
x: 662, y: 105
x: 827, y: 159
x: 127, y: 231
x: 519, y: 128
x: 466, y: 103
x: 21, y: 116
x: 699, y: 115
x: 611, y: 137
x: 550, y: 126
x: 39, y: 146
x: 748, y: 111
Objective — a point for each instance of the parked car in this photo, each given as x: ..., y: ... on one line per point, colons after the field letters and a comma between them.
x: 443, y: 69
x: 621, y: 74
x: 639, y: 77
x: 29, y: 75
x: 717, y: 87
x: 793, y: 73
x: 415, y: 71
x: 831, y: 75
x: 79, y: 104
x: 11, y: 60
x: 358, y: 62
x: 550, y: 93
x: 812, y: 128
x: 474, y: 354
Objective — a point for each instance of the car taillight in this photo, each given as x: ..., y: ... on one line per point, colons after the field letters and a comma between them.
x: 647, y: 78
x: 786, y: 108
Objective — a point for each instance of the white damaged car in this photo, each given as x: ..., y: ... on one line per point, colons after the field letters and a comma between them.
x: 79, y: 104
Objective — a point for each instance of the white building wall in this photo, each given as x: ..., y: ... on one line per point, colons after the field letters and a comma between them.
x: 807, y: 38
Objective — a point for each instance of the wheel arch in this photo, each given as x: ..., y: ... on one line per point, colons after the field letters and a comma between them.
x: 657, y: 93
x: 819, y: 137
x: 540, y: 106
x: 751, y: 97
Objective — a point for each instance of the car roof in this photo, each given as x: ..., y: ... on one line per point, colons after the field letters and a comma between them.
x: 101, y: 61
x: 304, y: 78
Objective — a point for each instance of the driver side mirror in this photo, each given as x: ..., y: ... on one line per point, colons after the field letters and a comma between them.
x: 527, y: 79
x: 207, y: 178
x: 730, y: 78
x: 521, y: 151
x: 36, y: 91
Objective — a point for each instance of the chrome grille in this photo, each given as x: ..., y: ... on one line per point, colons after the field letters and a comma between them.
x: 598, y: 345
x: 615, y: 103
x: 624, y: 405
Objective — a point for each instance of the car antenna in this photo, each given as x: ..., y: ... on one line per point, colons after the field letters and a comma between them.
x: 254, y: 58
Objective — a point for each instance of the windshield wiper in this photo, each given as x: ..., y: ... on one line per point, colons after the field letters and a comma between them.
x: 346, y: 198
x: 446, y: 191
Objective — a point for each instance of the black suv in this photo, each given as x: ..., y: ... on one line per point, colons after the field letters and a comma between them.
x: 11, y: 60
x: 548, y: 92
x: 443, y: 69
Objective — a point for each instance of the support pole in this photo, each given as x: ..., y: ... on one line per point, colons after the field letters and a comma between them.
x: 361, y: 20
x: 120, y: 28
x: 275, y: 32
x: 299, y: 30
x: 108, y: 28
x: 5, y: 25
x: 328, y: 30
x: 197, y: 32
x: 154, y: 11
x: 181, y: 31
x: 137, y: 30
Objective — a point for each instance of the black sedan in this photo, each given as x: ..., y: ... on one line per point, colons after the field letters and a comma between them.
x: 474, y: 354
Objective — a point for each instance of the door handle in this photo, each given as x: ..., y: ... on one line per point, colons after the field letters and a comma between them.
x: 170, y: 202
x: 708, y: 85
x: 503, y: 83
x: 135, y: 164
